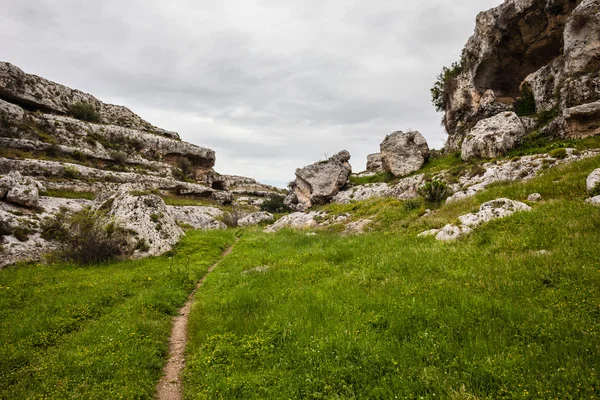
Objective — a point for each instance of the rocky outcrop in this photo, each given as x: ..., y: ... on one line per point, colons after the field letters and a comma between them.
x: 404, y: 152
x: 320, y: 182
x: 537, y: 57
x: 303, y: 221
x: 495, y: 209
x: 493, y: 137
x: 405, y: 189
x: 374, y: 162
x: 35, y: 93
x: 146, y: 217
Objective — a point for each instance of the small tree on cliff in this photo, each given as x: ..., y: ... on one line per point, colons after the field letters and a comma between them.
x: 441, y: 87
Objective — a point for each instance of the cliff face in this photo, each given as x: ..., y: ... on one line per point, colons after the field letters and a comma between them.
x: 546, y: 52
x: 40, y: 137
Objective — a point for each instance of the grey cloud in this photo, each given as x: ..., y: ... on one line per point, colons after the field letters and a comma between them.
x: 269, y: 85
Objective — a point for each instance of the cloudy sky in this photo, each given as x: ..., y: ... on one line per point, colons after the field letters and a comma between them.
x: 270, y: 85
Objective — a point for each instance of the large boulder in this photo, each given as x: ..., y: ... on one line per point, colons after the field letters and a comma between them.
x: 404, y: 152
x: 16, y: 189
x: 493, y: 136
x: 203, y: 218
x: 374, y: 162
x: 147, y: 217
x: 320, y: 182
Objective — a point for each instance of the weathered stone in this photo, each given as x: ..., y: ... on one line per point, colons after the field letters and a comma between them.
x: 38, y: 93
x: 593, y: 181
x: 581, y: 41
x: 296, y: 220
x: 147, y: 216
x: 320, y: 182
x: 495, y: 209
x: 256, y: 219
x: 204, y: 218
x: 534, y: 197
x: 17, y: 189
x: 493, y: 137
x: 374, y: 162
x: 357, y: 227
x: 545, y: 84
x: 593, y: 201
x: 403, y: 153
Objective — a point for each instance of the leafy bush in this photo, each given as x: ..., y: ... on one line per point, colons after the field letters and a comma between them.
x: 21, y: 233
x: 558, y: 153
x: 119, y: 157
x: 53, y: 151
x: 596, y: 190
x: 84, y: 112
x: 434, y: 191
x: 525, y: 105
x: 70, y: 172
x: 441, y: 87
x: 186, y: 167
x: 274, y: 204
x: 87, y: 237
x: 5, y: 228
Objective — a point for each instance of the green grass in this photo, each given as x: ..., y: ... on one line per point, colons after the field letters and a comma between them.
x: 96, y: 332
x: 389, y: 315
x: 380, y: 177
x: 69, y: 194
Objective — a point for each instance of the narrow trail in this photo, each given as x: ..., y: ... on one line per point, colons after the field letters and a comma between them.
x: 169, y: 387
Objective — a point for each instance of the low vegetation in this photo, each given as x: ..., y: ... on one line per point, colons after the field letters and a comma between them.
x: 84, y: 112
x: 95, y: 332
x: 510, y: 311
x: 443, y: 85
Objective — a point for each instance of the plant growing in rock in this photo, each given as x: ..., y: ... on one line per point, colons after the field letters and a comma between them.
x: 560, y: 153
x: 274, y: 204
x: 442, y: 86
x: 232, y: 218
x: 120, y: 157
x: 84, y: 112
x: 434, y: 191
x: 87, y: 237
x: 525, y: 104
x: 186, y: 167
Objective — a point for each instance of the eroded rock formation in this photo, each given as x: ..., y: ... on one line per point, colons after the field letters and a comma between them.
x: 403, y: 152
x: 539, y: 58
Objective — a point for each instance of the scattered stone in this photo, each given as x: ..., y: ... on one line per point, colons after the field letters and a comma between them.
x: 403, y: 153
x: 357, y: 227
x: 320, y: 182
x: 534, y: 197
x: 492, y: 210
x: 593, y: 180
x: 594, y: 201
x: 296, y: 220
x: 256, y: 219
x: 16, y: 189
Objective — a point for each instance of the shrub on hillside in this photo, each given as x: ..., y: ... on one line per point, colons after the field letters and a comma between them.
x: 274, y: 204
x: 443, y: 85
x: 84, y: 112
x: 434, y: 191
x: 558, y: 153
x: 596, y: 190
x: 525, y: 105
x: 86, y: 237
x: 231, y: 218
x: 5, y: 228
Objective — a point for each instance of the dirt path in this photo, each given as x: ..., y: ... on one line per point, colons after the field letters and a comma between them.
x: 169, y: 387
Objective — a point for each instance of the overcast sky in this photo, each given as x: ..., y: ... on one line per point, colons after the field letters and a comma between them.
x: 270, y: 85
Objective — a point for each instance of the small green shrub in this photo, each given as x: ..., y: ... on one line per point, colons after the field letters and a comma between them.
x: 525, y: 104
x: 274, y: 204
x: 186, y: 167
x: 596, y: 190
x: 21, y: 233
x: 84, y: 112
x: 142, y: 245
x: 559, y: 153
x: 232, y: 218
x: 5, y: 228
x: 71, y: 172
x: 434, y: 191
x: 53, y: 151
x: 89, y: 237
x: 410, y: 205
x: 441, y: 87
x: 120, y: 157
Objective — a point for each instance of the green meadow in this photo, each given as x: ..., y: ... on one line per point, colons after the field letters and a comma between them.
x: 510, y: 311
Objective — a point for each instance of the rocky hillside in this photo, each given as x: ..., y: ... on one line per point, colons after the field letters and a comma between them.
x: 60, y: 148
x: 531, y: 66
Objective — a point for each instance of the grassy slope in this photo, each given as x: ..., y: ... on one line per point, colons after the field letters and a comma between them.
x: 388, y: 314
x: 95, y: 332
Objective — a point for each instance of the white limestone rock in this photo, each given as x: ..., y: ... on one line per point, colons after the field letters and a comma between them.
x: 493, y: 137
x: 404, y: 152
x: 256, y: 219
x: 204, y: 218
